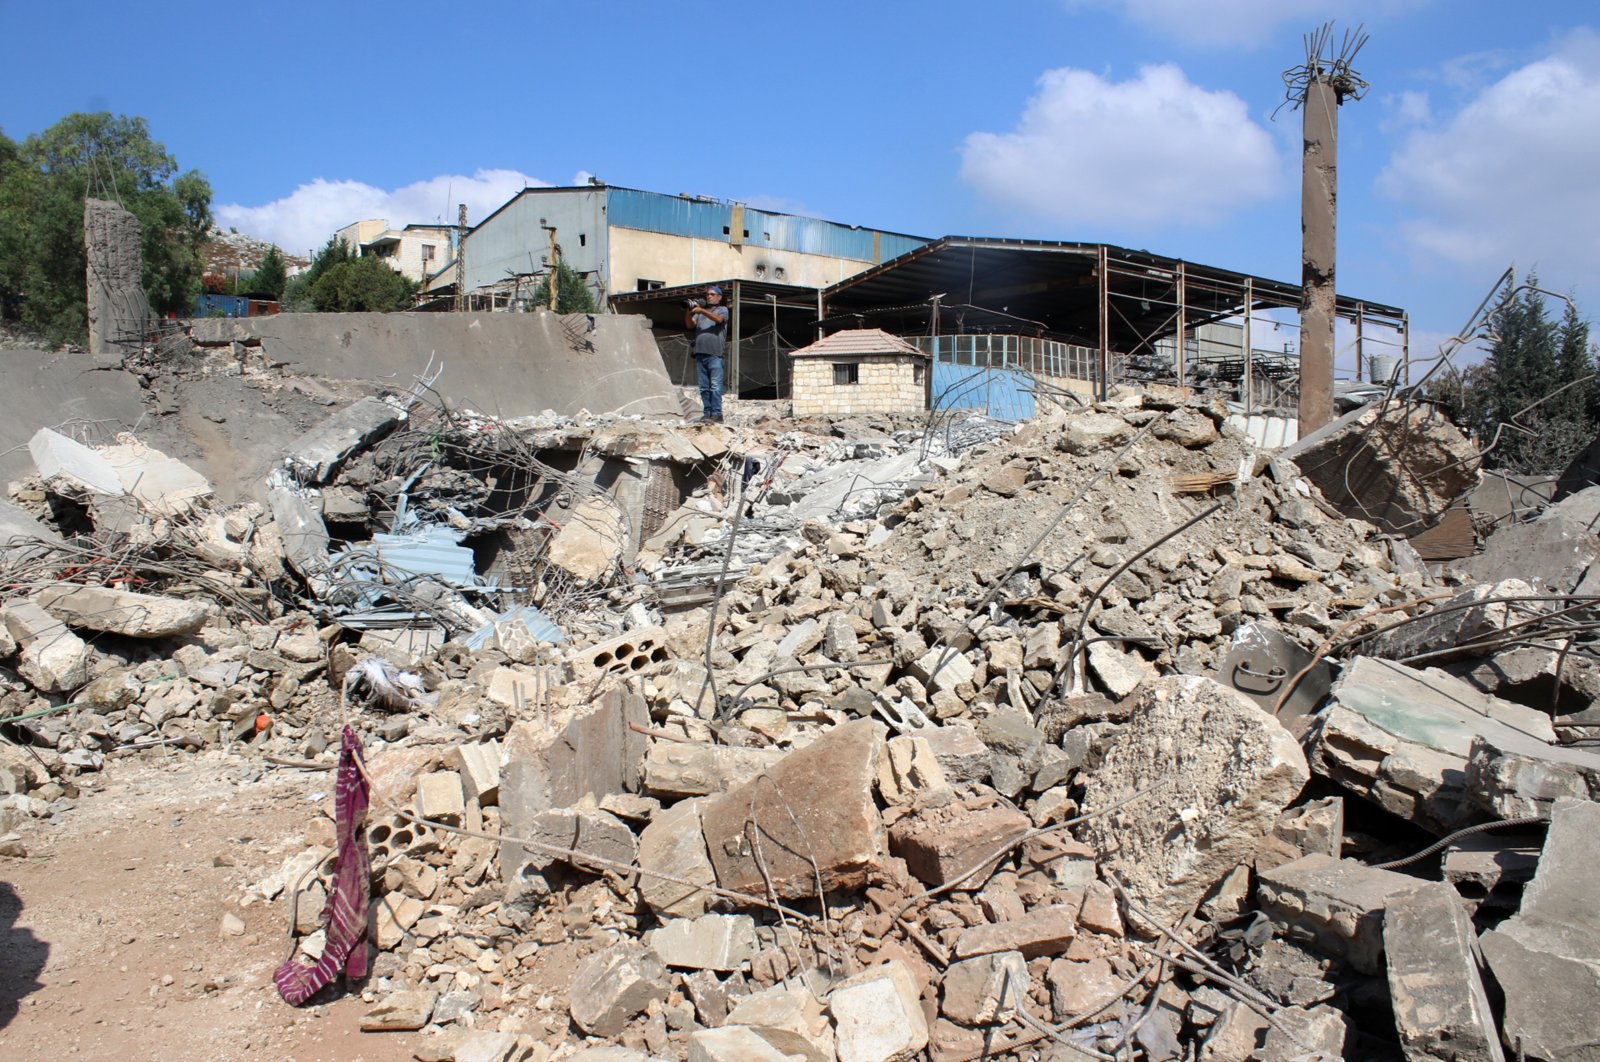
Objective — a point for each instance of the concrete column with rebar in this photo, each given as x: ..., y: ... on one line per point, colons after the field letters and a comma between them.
x: 1319, y: 192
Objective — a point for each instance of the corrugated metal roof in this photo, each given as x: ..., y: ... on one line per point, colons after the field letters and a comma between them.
x: 857, y: 342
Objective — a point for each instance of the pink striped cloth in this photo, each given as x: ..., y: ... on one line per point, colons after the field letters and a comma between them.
x: 345, y: 916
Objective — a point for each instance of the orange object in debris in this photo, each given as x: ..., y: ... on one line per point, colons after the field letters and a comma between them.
x: 263, y: 723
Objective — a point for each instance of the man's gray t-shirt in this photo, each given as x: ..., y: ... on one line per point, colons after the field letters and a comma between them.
x: 710, y: 335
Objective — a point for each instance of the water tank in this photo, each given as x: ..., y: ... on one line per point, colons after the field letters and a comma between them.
x: 1383, y: 367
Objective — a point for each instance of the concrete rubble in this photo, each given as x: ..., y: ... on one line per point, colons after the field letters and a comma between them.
x: 854, y: 742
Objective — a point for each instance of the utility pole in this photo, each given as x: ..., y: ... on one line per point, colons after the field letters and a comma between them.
x: 461, y: 259
x: 1319, y: 87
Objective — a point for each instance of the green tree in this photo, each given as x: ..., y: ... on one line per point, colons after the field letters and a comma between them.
x: 1537, y: 388
x: 572, y: 293
x: 43, y: 184
x: 297, y: 292
x: 362, y: 285
x: 270, y: 276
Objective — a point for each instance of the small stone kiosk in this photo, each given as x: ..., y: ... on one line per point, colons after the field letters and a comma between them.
x: 859, y: 370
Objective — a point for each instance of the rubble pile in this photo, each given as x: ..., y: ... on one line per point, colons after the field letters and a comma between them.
x: 1100, y: 735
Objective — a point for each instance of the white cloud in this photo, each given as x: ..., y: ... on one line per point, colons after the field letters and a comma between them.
x: 1138, y: 153
x: 1244, y: 23
x: 1511, y: 177
x: 303, y: 220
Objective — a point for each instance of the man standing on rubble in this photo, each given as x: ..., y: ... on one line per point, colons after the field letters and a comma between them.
x: 709, y: 321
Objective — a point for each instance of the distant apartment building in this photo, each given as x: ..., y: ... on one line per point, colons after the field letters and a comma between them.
x: 415, y: 252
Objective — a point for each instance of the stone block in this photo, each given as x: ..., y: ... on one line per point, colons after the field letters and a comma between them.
x: 610, y: 987
x: 814, y: 804
x: 1219, y: 770
x: 962, y: 755
x: 399, y: 1012
x: 67, y: 462
x: 1077, y: 988
x: 479, y: 769
x: 909, y: 771
x: 1317, y: 827
x: 1440, y: 1008
x: 878, y: 1015
x: 1041, y: 931
x: 1119, y: 671
x: 1458, y: 621
x: 1335, y: 904
x: 396, y: 914
x: 440, y: 799
x: 101, y: 608
x: 943, y: 668
x: 790, y: 1009
x: 52, y: 659
x: 1087, y: 433
x: 673, y: 770
x: 710, y: 942
x: 1546, y: 959
x: 673, y: 843
x: 733, y: 1043
x: 940, y: 844
x: 986, y: 989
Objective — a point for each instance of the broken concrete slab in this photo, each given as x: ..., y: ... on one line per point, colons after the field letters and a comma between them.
x: 160, y: 484
x: 1511, y: 778
x: 1404, y: 739
x: 587, y: 830
x: 304, y: 535
x: 1397, y: 465
x: 1440, y: 1008
x: 101, y: 608
x: 1211, y: 772
x: 400, y: 1012
x: 673, y: 843
x: 611, y: 986
x: 320, y: 453
x: 878, y: 1015
x: 827, y: 789
x: 1546, y: 959
x: 1554, y: 555
x: 1260, y: 662
x: 710, y: 942
x: 1335, y: 904
x: 53, y: 659
x: 65, y: 461
x: 733, y: 1043
x: 1492, y: 868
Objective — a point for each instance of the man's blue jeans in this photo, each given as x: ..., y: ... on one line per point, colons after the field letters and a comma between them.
x: 711, y: 371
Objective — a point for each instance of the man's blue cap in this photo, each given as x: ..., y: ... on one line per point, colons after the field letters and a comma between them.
x: 713, y: 290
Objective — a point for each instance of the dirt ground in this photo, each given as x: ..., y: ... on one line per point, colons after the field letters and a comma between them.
x: 111, y: 942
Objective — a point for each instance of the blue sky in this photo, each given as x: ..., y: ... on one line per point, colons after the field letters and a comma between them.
x: 1144, y: 123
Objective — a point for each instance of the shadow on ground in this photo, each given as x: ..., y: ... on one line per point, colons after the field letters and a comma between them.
x: 22, y: 956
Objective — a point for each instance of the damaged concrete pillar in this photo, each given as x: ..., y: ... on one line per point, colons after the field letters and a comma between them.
x: 1319, y: 191
x: 118, y: 309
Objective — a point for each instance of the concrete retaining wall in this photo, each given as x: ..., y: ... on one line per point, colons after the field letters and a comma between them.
x: 509, y: 364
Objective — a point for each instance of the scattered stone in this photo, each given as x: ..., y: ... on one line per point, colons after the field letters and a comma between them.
x: 399, y: 1012
x: 101, y: 608
x: 1041, y: 931
x: 943, y: 843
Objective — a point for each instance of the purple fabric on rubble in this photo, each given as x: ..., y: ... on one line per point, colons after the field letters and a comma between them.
x: 345, y: 916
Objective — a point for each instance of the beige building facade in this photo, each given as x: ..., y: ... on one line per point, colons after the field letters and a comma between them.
x: 862, y: 370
